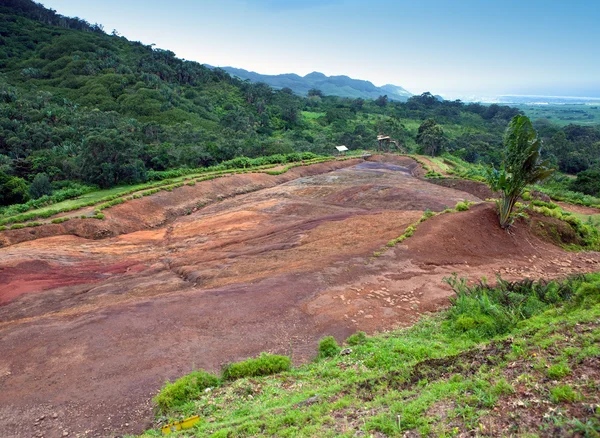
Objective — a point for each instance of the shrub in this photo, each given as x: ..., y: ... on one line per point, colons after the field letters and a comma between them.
x: 558, y: 371
x: 357, y: 338
x: 184, y: 389
x: 328, y: 347
x: 462, y: 206
x: 426, y: 215
x: 59, y: 220
x: 483, y: 311
x: 265, y: 365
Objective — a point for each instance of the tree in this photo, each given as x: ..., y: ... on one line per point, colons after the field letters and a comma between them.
x: 13, y: 190
x: 381, y: 101
x: 522, y: 165
x: 587, y: 182
x: 431, y: 137
x: 315, y: 92
x: 40, y: 186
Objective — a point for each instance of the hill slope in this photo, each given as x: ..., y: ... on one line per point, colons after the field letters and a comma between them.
x: 342, y: 86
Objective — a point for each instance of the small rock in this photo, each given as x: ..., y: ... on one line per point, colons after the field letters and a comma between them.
x: 55, y: 415
x: 65, y: 433
x: 346, y: 351
x: 309, y: 401
x: 368, y: 316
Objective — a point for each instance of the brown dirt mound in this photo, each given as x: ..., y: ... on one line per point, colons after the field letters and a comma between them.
x: 472, y: 237
x: 481, y: 190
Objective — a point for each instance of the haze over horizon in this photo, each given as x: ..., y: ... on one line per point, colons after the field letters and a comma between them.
x: 459, y: 50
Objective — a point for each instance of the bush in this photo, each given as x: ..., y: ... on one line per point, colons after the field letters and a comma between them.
x: 587, y: 182
x: 328, y: 347
x: 265, y: 365
x: 357, y: 338
x: 59, y: 220
x: 184, y: 389
x: 462, y: 206
x: 482, y: 311
x: 40, y: 186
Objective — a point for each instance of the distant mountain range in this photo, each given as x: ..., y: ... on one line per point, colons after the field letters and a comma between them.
x: 342, y: 86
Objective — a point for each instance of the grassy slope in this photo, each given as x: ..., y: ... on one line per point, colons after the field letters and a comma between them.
x: 540, y: 378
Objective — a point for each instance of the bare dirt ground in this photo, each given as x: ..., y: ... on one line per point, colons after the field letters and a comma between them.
x: 91, y: 328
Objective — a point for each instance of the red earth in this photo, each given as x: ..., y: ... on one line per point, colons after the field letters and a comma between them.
x: 96, y: 315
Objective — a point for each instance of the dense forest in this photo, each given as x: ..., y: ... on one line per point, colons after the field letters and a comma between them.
x: 81, y: 107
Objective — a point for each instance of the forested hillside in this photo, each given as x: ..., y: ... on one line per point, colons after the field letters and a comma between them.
x: 80, y: 106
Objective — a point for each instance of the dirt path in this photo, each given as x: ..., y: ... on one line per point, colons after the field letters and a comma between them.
x: 574, y: 208
x: 91, y: 329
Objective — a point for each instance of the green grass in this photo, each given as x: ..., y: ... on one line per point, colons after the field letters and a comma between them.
x: 264, y: 365
x: 587, y: 233
x: 437, y: 378
x: 312, y: 115
x: 591, y: 219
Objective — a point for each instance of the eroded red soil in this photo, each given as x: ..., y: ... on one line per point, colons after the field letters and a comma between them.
x: 91, y: 328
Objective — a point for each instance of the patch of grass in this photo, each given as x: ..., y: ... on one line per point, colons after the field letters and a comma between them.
x: 558, y: 371
x: 59, y: 220
x: 462, y: 206
x: 185, y: 389
x: 264, y: 365
x: 563, y: 393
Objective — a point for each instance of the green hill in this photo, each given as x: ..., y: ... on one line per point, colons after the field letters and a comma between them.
x: 342, y: 86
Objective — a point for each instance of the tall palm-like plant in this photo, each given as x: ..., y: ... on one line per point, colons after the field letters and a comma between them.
x: 522, y: 165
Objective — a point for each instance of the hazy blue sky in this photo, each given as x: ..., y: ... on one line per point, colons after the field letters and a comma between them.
x: 457, y: 48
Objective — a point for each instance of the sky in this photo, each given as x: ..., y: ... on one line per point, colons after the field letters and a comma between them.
x: 456, y: 48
